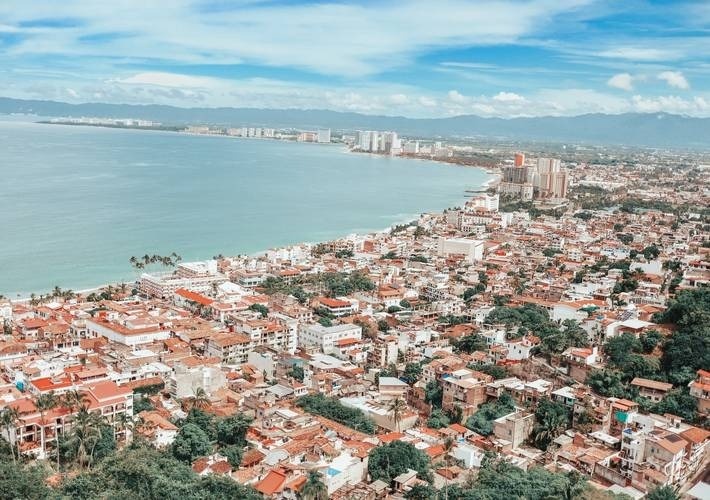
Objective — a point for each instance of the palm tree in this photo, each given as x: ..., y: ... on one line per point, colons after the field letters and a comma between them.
x: 314, y: 488
x: 551, y: 426
x: 44, y: 403
x: 8, y: 419
x: 200, y: 399
x: 123, y: 424
x: 75, y: 400
x: 397, y: 407
x: 448, y: 445
x: 86, y: 433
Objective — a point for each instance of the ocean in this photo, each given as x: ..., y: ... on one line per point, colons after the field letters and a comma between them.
x: 77, y: 202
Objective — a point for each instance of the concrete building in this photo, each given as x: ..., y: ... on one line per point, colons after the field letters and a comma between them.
x: 325, y: 337
x: 189, y: 374
x: 471, y: 250
x: 514, y: 428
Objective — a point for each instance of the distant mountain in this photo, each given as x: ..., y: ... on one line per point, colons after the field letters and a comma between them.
x: 633, y: 129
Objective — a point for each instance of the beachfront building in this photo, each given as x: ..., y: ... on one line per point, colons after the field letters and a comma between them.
x: 195, y: 276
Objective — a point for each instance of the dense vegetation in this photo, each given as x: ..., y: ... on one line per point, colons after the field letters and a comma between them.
x: 137, y: 471
x: 482, y: 421
x: 685, y: 351
x: 389, y: 461
x: 535, y: 320
x: 332, y: 409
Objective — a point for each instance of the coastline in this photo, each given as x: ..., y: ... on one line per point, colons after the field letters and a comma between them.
x: 328, y: 235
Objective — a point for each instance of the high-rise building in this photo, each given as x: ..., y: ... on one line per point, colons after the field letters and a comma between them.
x: 550, y: 180
x: 324, y: 135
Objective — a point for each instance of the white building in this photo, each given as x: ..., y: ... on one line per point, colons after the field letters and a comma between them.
x: 325, y: 337
x: 471, y: 250
x: 324, y: 135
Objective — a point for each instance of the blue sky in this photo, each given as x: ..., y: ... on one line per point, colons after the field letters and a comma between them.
x: 413, y: 58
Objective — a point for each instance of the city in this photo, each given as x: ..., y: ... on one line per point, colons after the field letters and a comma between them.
x: 355, y: 250
x: 553, y: 323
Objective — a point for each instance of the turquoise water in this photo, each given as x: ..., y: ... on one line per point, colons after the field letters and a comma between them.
x: 77, y: 202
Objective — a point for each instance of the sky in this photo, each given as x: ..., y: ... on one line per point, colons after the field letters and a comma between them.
x: 413, y: 58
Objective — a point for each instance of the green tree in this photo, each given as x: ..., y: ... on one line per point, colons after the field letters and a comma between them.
x: 396, y: 409
x: 23, y: 482
x: 421, y: 492
x: 471, y: 343
x: 233, y: 430
x: 482, y: 421
x: 191, y: 442
x: 650, y: 340
x: 260, y: 308
x: 664, y: 493
x: 552, y: 419
x: 433, y: 393
x: 438, y: 419
x: 412, y: 372
x: 314, y: 488
x: 8, y: 421
x: 233, y: 453
x: 44, y: 403
x: 389, y: 461
x: 296, y: 372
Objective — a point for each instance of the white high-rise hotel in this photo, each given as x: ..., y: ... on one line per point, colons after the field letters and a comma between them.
x: 374, y: 141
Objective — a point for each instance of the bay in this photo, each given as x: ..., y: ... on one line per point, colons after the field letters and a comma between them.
x: 77, y: 202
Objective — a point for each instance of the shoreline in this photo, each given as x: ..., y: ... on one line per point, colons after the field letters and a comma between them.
x: 93, y: 289
x: 84, y: 290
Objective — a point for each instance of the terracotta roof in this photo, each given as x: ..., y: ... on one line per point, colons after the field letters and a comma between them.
x: 272, y: 483
x: 651, y: 384
x: 194, y: 297
x: 695, y: 435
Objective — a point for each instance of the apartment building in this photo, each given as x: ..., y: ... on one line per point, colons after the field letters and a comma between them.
x: 34, y: 430
x: 230, y: 348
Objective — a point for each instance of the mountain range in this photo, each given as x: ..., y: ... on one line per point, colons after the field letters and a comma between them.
x: 632, y: 129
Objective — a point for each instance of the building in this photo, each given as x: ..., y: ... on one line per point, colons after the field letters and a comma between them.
x: 190, y: 374
x: 515, y: 428
x: 230, y: 348
x: 651, y: 389
x: 326, y: 337
x: 470, y: 250
x: 126, y: 332
x: 33, y: 432
x: 462, y: 388
x: 324, y: 135
x: 700, y: 388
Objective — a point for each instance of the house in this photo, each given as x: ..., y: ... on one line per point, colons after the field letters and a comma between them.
x: 156, y: 428
x: 651, y: 389
x: 392, y: 387
x: 514, y: 428
x: 700, y: 389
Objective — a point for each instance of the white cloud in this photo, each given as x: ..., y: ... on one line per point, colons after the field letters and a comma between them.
x: 427, y: 101
x: 328, y: 38
x: 399, y: 99
x: 456, y: 96
x: 674, y: 79
x: 671, y: 104
x: 508, y: 97
x: 163, y: 79
x: 640, y: 54
x: 623, y: 81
